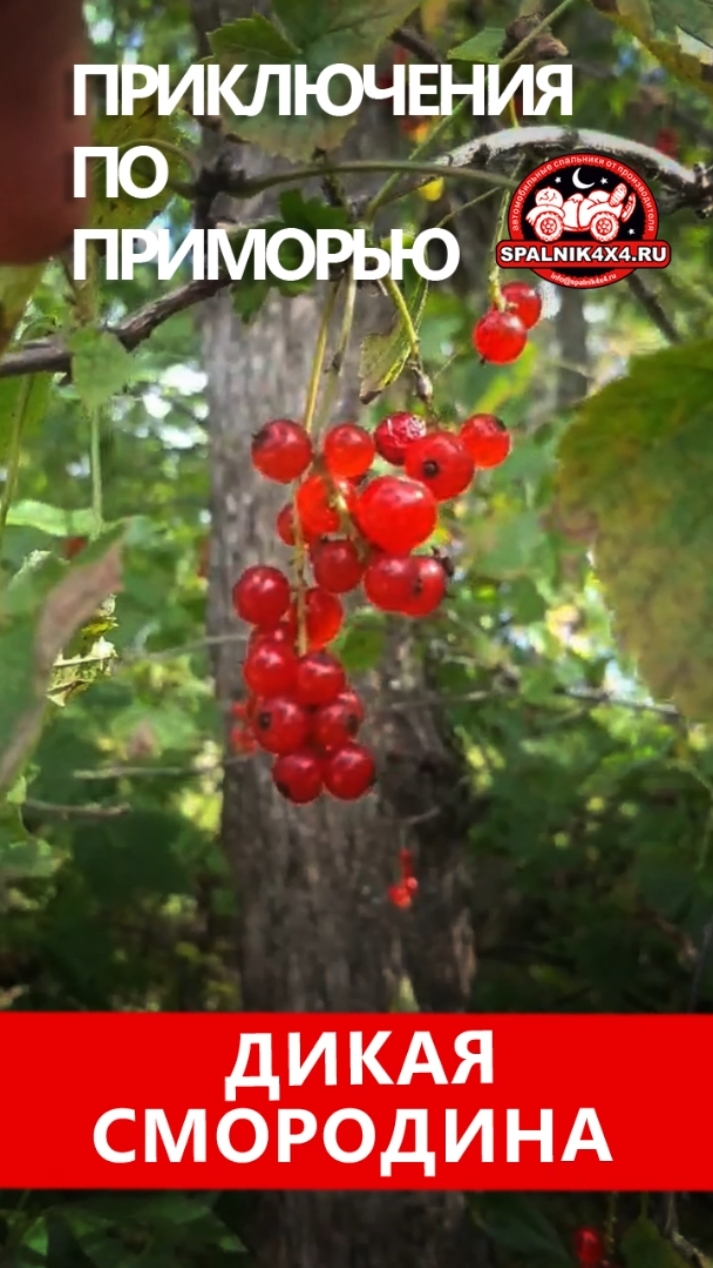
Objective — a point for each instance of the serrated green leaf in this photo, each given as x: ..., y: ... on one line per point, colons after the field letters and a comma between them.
x: 52, y: 520
x: 483, y: 47
x: 144, y: 127
x: 30, y: 397
x: 635, y: 476
x: 40, y: 610
x: 101, y: 366
x: 253, y: 41
x: 16, y: 287
x: 644, y: 1247
x: 318, y: 35
x: 678, y: 33
x: 384, y: 357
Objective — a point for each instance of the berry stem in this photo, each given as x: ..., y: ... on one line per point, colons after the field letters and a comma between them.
x: 495, y: 294
x: 13, y: 462
x: 300, y: 552
x: 424, y: 388
x: 96, y: 469
x: 336, y: 365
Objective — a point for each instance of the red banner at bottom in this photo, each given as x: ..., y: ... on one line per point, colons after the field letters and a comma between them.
x: 324, y: 1101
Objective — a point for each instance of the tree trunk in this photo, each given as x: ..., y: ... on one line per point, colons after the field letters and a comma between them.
x: 315, y: 929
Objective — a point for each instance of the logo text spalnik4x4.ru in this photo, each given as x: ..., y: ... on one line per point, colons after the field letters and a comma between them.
x: 583, y: 220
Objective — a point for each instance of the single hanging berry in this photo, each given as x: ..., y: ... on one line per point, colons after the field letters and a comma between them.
x: 270, y: 668
x: 487, y: 439
x: 280, y: 725
x: 298, y: 776
x: 427, y: 582
x: 442, y: 462
x: 349, y: 772
x: 336, y: 565
x: 396, y: 514
x: 261, y: 595
x: 524, y: 301
x: 499, y: 337
x: 319, y: 502
x: 285, y: 525
x: 324, y: 616
x: 337, y: 724
x: 588, y: 1247
x: 281, y: 450
x: 395, y: 434
x: 319, y: 680
x: 399, y: 896
x: 411, y: 585
x: 348, y: 450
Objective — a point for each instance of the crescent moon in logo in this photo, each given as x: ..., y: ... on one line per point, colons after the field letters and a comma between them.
x: 577, y: 180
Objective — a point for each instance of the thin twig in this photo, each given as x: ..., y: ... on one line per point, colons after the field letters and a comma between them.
x: 414, y: 43
x: 76, y: 812
x: 653, y: 306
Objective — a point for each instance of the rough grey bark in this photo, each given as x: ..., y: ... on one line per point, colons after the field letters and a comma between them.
x: 315, y: 931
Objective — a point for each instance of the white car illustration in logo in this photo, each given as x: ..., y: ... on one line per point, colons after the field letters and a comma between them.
x: 599, y: 213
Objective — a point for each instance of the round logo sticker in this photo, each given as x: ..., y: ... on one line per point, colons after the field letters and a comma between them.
x: 583, y: 220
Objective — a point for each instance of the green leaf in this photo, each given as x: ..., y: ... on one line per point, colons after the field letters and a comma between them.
x: 310, y: 214
x: 253, y: 40
x: 101, y: 366
x: 678, y: 33
x: 644, y: 1247
x: 483, y: 47
x: 31, y: 396
x: 52, y: 520
x: 635, y: 477
x: 361, y: 647
x: 144, y: 127
x: 318, y: 34
x: 39, y: 612
x: 16, y: 287
x: 21, y: 855
x: 384, y: 357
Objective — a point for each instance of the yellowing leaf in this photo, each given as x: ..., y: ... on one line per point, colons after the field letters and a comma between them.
x: 635, y: 475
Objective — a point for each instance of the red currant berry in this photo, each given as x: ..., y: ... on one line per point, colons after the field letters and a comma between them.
x: 324, y: 615
x: 394, y: 435
x: 262, y: 595
x: 353, y: 703
x: 396, y: 514
x: 73, y: 546
x: 487, y: 439
x: 281, y: 450
x: 348, y: 450
x: 499, y: 337
x: 270, y: 668
x: 588, y: 1247
x: 427, y: 583
x: 524, y: 301
x: 410, y: 884
x: 320, y: 678
x: 318, y: 504
x: 298, y: 776
x: 387, y: 582
x: 281, y: 725
x: 271, y: 634
x: 242, y: 740
x: 399, y: 896
x: 336, y: 565
x: 441, y: 462
x: 337, y: 724
x: 349, y: 772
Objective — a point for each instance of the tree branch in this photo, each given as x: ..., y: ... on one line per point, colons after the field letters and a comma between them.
x: 51, y: 355
x: 653, y: 306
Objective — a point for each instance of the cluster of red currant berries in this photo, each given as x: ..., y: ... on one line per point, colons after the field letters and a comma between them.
x: 356, y: 527
x: 589, y: 1249
x: 501, y: 334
